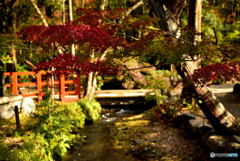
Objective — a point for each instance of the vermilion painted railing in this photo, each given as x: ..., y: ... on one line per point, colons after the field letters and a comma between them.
x: 62, y: 82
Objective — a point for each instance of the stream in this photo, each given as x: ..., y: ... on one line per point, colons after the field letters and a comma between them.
x: 97, y: 144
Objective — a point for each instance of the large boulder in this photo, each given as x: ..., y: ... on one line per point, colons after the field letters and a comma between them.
x: 27, y: 106
x: 7, y: 104
x: 7, y: 113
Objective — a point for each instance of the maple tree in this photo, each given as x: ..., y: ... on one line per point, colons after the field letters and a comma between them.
x: 68, y: 64
x: 218, y: 116
x: 97, y: 32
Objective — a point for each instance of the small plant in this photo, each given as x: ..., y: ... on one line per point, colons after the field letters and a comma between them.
x: 169, y: 109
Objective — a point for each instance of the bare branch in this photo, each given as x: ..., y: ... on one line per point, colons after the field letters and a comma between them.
x: 17, y: 48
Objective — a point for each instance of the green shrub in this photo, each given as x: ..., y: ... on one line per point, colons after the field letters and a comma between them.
x: 90, y: 109
x: 76, y: 115
x: 53, y: 135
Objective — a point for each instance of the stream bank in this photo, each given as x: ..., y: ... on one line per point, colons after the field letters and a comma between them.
x: 97, y: 144
x: 125, y: 135
x: 153, y: 140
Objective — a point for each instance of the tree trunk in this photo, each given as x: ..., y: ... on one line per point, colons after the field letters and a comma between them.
x: 103, y: 4
x: 169, y: 13
x: 219, y: 117
x: 194, y: 16
x: 91, y: 80
x: 194, y: 21
x: 71, y: 19
x: 63, y: 12
x: 221, y: 120
x: 45, y: 23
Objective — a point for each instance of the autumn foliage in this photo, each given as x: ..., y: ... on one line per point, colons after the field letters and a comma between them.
x: 229, y: 71
x: 65, y: 35
x: 68, y: 64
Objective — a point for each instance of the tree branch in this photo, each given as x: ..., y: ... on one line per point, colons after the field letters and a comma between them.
x: 33, y: 67
x: 217, y: 43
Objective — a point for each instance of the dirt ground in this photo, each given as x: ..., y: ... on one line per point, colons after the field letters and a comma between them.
x: 166, y: 141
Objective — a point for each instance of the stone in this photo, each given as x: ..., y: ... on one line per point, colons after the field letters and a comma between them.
x: 194, y: 125
x: 187, y: 115
x: 27, y: 106
x: 4, y: 107
x: 216, y: 143
x: 7, y: 113
x: 232, y: 147
x: 235, y: 138
x: 236, y: 88
x: 205, y: 128
x: 138, y: 141
x: 14, y: 98
x: 4, y: 100
x: 183, y: 119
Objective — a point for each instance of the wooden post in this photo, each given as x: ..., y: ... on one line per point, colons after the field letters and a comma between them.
x: 17, y: 117
x: 39, y: 86
x: 79, y: 86
x: 15, y: 83
x: 62, y: 87
x: 2, y: 80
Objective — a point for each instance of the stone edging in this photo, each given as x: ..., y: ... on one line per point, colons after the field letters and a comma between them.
x: 6, y: 105
x: 216, y: 143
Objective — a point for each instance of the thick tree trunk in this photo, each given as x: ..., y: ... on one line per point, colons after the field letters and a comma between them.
x: 194, y: 21
x: 194, y: 16
x: 221, y: 120
x: 169, y: 13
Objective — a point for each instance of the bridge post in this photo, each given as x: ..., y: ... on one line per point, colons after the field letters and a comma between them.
x: 62, y: 87
x: 39, y: 86
x: 15, y: 83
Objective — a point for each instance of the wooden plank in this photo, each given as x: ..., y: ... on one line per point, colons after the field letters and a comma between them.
x: 27, y: 84
x: 28, y: 94
x: 26, y: 73
x: 70, y: 81
x: 49, y: 82
x: 122, y: 93
x: 70, y: 92
x: 7, y: 74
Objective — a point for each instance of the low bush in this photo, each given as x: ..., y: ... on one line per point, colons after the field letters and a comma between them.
x: 54, y: 133
x: 90, y: 108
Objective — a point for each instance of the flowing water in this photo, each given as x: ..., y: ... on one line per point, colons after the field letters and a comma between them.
x: 97, y: 144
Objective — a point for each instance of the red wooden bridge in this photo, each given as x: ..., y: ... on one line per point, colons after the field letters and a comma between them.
x: 62, y: 83
x: 40, y: 82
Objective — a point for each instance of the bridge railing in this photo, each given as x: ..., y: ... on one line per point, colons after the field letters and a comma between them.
x: 40, y: 83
